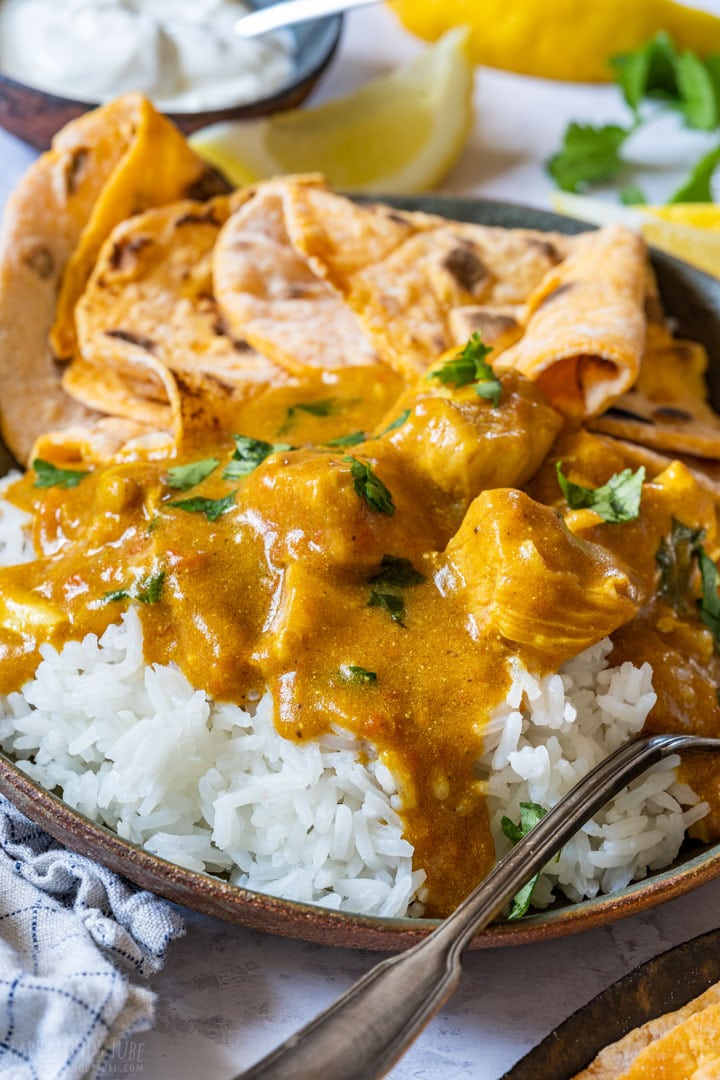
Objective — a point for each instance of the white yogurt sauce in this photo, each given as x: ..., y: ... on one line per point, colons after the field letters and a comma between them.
x: 181, y: 53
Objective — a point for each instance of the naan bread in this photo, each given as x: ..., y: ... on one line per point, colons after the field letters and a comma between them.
x: 667, y: 409
x: 53, y: 226
x: 413, y: 279
x: 585, y: 333
x: 269, y: 296
x: 681, y: 1045
x: 151, y: 295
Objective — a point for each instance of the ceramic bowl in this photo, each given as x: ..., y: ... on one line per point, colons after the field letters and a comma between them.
x: 36, y: 115
x: 692, y: 298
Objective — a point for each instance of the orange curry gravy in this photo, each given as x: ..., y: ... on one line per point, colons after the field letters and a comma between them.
x: 395, y: 623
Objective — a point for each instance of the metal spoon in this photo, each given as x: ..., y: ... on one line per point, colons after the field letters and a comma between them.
x: 290, y: 12
x: 365, y: 1031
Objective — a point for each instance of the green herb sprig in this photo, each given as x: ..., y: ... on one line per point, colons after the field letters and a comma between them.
x: 676, y: 557
x: 248, y: 454
x: 183, y: 477
x: 360, y: 676
x: 616, y: 502
x: 370, y: 487
x: 49, y: 475
x: 146, y: 591
x: 470, y: 366
x: 211, y: 508
x: 395, y: 574
x: 653, y: 76
x: 530, y: 815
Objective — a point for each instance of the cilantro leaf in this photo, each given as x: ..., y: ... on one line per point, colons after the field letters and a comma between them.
x: 588, y: 154
x: 187, y: 476
x: 698, y: 92
x: 697, y: 185
x: 632, y: 195
x: 616, y: 502
x: 676, y: 559
x: 356, y: 437
x: 352, y: 439
x: 395, y: 570
x: 211, y: 508
x: 469, y: 366
x: 396, y: 423
x: 395, y: 573
x: 356, y: 674
x: 248, y: 454
x: 49, y: 475
x: 370, y: 487
x: 648, y: 71
x: 530, y: 815
x: 145, y: 591
x: 389, y: 600
x: 323, y: 407
x: 709, y: 605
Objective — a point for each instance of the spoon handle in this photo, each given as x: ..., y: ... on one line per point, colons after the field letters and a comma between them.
x: 364, y: 1032
x: 290, y: 12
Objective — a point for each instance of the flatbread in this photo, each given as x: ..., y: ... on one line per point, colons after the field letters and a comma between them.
x: 404, y: 274
x: 269, y: 296
x: 641, y: 1052
x: 586, y: 330
x: 157, y: 167
x: 151, y: 293
x: 49, y: 217
x: 667, y: 409
x: 106, y: 439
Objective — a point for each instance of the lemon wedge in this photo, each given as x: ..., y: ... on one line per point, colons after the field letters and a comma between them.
x: 691, y: 231
x: 397, y: 134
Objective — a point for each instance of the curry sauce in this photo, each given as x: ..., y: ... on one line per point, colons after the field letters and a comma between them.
x: 372, y: 581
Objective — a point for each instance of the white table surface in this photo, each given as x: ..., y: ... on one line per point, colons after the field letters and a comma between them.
x: 228, y: 995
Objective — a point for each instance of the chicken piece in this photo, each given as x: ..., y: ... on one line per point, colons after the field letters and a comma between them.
x: 307, y: 506
x: 537, y: 586
x: 455, y: 444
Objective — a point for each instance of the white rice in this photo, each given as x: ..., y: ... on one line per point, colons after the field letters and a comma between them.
x: 216, y: 789
x: 549, y: 733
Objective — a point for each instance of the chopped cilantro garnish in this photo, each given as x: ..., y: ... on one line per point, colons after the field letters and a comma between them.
x: 395, y: 573
x: 49, y: 475
x: 709, y: 604
x: 395, y: 424
x: 370, y: 487
x: 355, y: 674
x: 352, y: 439
x: 530, y: 814
x: 467, y: 366
x: 323, y: 407
x: 211, y: 508
x: 389, y: 600
x: 145, y: 591
x: 187, y: 476
x: 588, y: 154
x: 616, y: 502
x: 248, y: 454
x: 676, y: 557
x: 356, y: 437
x: 395, y: 570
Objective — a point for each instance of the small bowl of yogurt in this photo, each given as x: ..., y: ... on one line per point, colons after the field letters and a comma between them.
x: 59, y: 58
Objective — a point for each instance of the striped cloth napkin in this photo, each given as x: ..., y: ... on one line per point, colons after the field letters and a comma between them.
x: 70, y: 933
